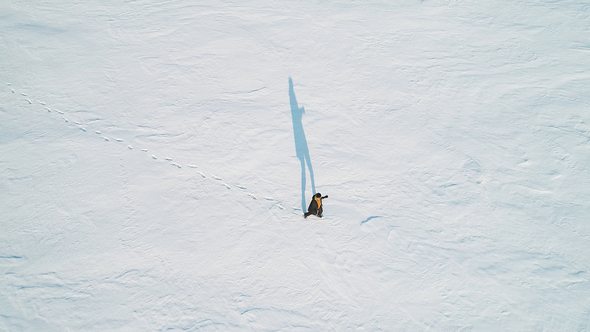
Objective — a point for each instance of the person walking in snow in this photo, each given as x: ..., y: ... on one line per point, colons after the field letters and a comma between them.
x: 315, y: 207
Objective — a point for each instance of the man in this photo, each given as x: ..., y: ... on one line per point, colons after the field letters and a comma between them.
x: 315, y: 207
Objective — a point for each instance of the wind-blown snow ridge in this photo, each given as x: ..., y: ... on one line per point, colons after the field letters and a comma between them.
x: 169, y: 159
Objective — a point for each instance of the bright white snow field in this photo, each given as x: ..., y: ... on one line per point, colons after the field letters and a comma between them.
x: 151, y: 158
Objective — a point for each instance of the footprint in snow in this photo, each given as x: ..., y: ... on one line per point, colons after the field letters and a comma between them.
x: 98, y: 132
x: 105, y: 138
x: 175, y: 164
x: 30, y: 102
x: 168, y: 158
x: 269, y: 198
x: 119, y: 140
x: 226, y: 185
x: 241, y: 187
x: 154, y: 157
x: 48, y: 109
x: 192, y: 166
x: 83, y: 129
x: 252, y: 195
x: 24, y: 94
x: 216, y: 177
x: 129, y: 147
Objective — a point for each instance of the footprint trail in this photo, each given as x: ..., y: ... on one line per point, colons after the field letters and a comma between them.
x: 168, y: 159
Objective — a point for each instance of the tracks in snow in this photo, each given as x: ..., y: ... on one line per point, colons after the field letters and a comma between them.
x: 104, y: 137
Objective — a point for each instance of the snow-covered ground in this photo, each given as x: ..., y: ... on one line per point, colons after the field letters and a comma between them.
x: 151, y: 157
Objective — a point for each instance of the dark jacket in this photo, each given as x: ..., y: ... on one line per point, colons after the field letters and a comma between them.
x: 316, y: 204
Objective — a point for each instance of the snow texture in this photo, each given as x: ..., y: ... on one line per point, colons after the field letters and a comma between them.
x: 156, y: 156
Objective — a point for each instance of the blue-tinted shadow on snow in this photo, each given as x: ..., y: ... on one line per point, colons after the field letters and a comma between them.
x: 300, y: 143
x: 371, y: 217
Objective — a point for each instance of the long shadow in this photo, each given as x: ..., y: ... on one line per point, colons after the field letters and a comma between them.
x: 300, y: 143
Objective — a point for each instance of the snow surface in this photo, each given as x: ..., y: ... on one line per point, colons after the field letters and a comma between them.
x: 151, y: 165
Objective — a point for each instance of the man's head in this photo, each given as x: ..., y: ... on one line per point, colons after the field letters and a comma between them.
x: 318, y: 195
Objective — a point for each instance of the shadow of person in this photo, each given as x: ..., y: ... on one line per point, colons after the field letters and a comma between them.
x: 300, y: 143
